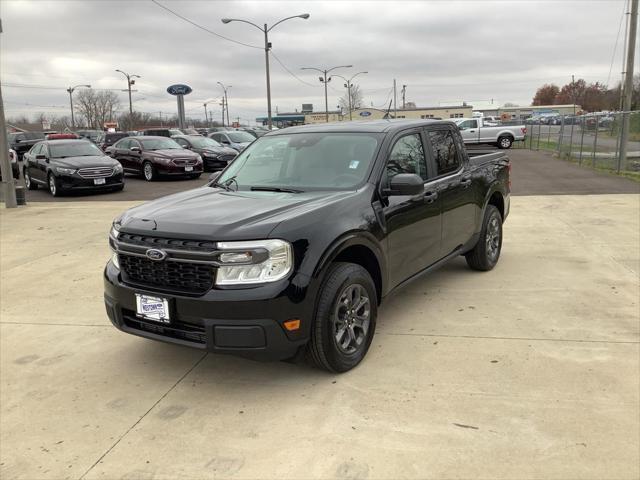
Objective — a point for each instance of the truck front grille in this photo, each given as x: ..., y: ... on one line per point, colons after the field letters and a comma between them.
x: 185, y: 277
x: 158, y: 242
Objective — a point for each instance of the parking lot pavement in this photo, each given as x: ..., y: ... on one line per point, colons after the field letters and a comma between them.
x: 529, y: 371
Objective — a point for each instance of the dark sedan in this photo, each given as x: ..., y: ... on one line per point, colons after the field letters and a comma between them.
x: 155, y: 156
x: 65, y: 165
x: 215, y: 156
x: 106, y: 139
x: 22, y: 142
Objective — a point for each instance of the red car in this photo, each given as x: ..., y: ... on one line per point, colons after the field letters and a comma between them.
x: 62, y: 136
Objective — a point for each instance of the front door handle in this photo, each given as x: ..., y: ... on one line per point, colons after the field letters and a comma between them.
x: 430, y: 197
x: 465, y: 182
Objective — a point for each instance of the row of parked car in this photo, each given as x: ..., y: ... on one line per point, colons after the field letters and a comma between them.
x: 66, y: 162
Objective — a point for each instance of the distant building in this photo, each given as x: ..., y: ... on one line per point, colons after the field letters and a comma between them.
x: 306, y: 116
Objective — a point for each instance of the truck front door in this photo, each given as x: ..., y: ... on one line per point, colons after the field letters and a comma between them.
x: 412, y: 223
x: 469, y: 131
x: 455, y: 186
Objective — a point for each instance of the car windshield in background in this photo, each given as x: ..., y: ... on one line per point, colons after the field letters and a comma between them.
x: 240, y: 137
x: 159, y: 144
x: 313, y: 161
x: 76, y: 149
x: 175, y: 131
x: 204, y: 142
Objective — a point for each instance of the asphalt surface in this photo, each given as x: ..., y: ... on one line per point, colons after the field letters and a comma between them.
x: 533, y: 173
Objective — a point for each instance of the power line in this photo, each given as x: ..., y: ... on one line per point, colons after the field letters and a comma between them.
x: 615, y: 45
x: 291, y: 73
x: 204, y: 28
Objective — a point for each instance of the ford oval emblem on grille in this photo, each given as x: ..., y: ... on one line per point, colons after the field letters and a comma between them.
x: 155, y: 254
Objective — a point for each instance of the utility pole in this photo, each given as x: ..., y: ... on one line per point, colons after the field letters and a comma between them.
x: 8, y: 184
x: 349, y: 86
x: 130, y: 81
x: 206, y: 117
x: 628, y: 84
x: 160, y: 114
x: 395, y: 98
x: 222, y: 105
x: 324, y: 79
x: 404, y: 90
x: 70, y: 90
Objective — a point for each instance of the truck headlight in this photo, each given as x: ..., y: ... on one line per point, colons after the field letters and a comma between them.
x: 115, y: 229
x: 66, y: 171
x: 117, y: 169
x: 114, y: 260
x: 253, y: 262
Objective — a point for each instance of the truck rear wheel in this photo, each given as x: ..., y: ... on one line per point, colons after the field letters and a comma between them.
x: 345, y: 319
x: 505, y: 142
x: 486, y: 253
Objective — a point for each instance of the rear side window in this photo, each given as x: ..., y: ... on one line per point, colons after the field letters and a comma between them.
x: 444, y: 150
x: 125, y: 143
x: 36, y: 149
x: 407, y: 156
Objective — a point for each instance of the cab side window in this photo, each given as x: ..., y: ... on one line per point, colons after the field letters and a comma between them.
x: 445, y: 153
x: 36, y: 150
x: 123, y: 144
x: 182, y: 142
x: 407, y: 156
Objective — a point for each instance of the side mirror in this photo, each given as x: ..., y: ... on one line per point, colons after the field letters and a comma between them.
x: 407, y: 184
x: 41, y: 157
x: 135, y: 149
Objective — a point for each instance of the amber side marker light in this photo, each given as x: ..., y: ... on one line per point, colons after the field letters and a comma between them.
x: 292, y: 325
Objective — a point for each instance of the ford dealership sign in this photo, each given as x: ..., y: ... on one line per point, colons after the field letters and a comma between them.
x: 179, y: 89
x: 365, y: 114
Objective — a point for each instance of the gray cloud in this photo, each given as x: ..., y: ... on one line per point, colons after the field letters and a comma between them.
x: 443, y: 51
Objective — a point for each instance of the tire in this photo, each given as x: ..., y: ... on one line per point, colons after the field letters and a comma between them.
x: 505, y: 142
x: 340, y: 338
x: 54, y: 185
x: 486, y: 253
x: 149, y: 172
x: 30, y: 184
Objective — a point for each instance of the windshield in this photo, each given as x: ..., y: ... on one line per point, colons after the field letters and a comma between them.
x: 175, y: 131
x: 28, y: 136
x: 159, y: 144
x: 204, y: 142
x: 76, y: 149
x: 315, y: 161
x: 240, y: 137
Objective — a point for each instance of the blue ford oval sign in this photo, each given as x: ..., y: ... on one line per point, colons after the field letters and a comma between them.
x: 155, y: 254
x: 365, y: 114
x: 179, y: 89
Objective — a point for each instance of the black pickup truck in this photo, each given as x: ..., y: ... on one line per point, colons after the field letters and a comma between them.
x: 292, y: 248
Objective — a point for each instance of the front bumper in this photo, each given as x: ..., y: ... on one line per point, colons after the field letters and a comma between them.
x: 75, y: 182
x: 245, y: 322
x: 171, y: 169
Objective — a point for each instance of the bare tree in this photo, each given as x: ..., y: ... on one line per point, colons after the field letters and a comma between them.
x: 357, y: 98
x: 96, y: 107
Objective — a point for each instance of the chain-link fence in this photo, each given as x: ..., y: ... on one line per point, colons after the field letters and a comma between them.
x: 591, y: 140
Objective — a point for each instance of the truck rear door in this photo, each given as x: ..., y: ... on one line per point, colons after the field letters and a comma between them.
x: 455, y: 187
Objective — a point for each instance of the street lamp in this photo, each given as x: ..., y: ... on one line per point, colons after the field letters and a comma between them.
x: 71, y: 90
x: 267, y: 47
x: 226, y: 102
x: 348, y: 86
x: 130, y: 82
x: 326, y: 80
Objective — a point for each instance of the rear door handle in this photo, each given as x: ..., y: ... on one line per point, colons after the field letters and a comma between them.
x: 430, y: 196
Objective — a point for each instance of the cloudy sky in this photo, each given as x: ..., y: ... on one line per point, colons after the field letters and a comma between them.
x: 445, y: 52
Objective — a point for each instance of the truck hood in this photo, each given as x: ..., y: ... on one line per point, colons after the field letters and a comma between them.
x: 215, y: 214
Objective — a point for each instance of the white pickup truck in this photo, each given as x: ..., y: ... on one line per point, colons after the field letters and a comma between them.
x: 474, y: 130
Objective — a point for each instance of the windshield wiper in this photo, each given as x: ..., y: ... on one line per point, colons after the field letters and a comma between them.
x: 276, y: 189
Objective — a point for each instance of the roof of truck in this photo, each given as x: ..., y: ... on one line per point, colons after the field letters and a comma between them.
x: 362, y: 126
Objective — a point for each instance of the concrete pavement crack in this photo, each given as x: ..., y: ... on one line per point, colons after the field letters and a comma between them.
x: 143, y: 416
x: 630, y: 342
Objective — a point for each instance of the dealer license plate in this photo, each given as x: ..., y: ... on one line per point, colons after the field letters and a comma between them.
x: 99, y: 181
x: 152, y: 308
x: 188, y: 168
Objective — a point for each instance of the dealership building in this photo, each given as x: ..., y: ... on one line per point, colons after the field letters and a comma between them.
x: 522, y: 113
x: 308, y: 116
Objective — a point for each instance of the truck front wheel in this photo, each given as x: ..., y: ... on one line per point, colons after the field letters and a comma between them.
x: 505, y: 142
x: 486, y: 253
x: 345, y: 319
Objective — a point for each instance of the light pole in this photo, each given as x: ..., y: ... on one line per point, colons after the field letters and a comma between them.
x: 206, y: 116
x: 267, y: 47
x: 71, y: 90
x: 348, y: 86
x: 326, y: 80
x: 130, y: 82
x: 226, y: 101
